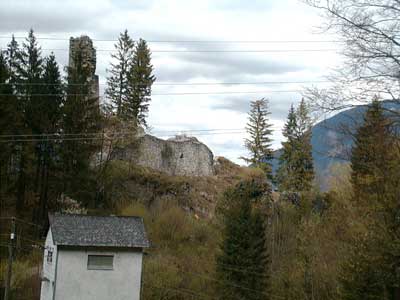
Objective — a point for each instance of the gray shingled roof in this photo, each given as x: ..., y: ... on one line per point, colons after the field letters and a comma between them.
x: 83, y: 230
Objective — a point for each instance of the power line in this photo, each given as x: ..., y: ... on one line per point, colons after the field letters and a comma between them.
x: 192, y: 41
x: 238, y: 51
x: 102, y: 138
x: 182, y: 291
x: 163, y: 94
x: 216, y: 51
x: 119, y: 132
x: 228, y: 283
x: 105, y: 136
x: 235, y: 268
x: 232, y: 284
x: 21, y: 221
x: 21, y: 248
x: 178, y: 83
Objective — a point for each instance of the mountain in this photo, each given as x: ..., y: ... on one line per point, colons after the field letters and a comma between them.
x: 332, y: 140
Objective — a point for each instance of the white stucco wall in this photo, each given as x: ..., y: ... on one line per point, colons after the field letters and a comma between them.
x: 49, y: 268
x: 75, y: 282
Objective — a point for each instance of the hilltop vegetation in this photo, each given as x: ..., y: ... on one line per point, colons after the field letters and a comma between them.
x: 227, y: 236
x: 128, y: 183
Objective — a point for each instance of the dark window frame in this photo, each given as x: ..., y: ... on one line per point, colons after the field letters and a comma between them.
x: 50, y: 256
x: 100, y: 267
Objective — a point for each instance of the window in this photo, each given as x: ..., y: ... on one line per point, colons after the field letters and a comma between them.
x: 50, y: 256
x: 100, y: 262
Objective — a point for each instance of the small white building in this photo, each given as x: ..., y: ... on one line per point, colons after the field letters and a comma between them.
x: 93, y: 258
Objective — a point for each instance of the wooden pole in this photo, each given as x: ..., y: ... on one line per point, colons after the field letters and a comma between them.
x: 10, y: 260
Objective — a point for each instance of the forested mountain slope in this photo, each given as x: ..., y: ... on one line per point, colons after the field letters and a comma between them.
x: 332, y: 140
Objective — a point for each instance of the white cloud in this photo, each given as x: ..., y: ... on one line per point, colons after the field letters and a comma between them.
x: 192, y: 20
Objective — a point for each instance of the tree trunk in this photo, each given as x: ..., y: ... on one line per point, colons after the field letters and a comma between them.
x: 44, y: 178
x: 38, y: 171
x: 21, y: 184
x: 1, y: 183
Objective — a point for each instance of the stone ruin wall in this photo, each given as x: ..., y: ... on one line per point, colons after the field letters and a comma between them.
x: 181, y: 156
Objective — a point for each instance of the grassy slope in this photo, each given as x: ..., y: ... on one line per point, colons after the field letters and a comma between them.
x: 180, y: 220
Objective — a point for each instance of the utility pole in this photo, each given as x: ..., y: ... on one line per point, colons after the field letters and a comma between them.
x: 10, y: 260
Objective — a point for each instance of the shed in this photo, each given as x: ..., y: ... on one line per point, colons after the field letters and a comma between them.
x: 93, y: 257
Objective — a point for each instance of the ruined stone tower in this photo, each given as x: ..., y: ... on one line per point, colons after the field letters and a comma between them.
x: 85, y: 44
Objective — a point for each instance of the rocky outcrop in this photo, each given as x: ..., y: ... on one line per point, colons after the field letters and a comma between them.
x: 182, y: 155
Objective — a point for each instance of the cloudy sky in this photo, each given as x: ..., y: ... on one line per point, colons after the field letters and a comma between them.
x: 239, y: 45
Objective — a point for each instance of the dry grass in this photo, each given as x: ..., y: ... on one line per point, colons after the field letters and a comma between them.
x: 129, y: 184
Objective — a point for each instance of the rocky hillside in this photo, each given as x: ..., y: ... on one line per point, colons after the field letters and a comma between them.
x: 129, y: 183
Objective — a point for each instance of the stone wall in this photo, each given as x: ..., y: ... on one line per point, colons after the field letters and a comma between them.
x: 88, y: 52
x: 184, y: 156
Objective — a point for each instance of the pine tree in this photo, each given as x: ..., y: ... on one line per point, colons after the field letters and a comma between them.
x: 6, y: 90
x: 259, y: 142
x: 141, y: 79
x: 5, y: 87
x: 51, y: 117
x: 118, y: 82
x: 372, y: 271
x: 28, y: 73
x: 7, y: 109
x: 53, y: 88
x: 11, y: 121
x: 296, y: 170
x: 11, y: 57
x: 305, y: 167
x: 242, y: 265
x: 259, y: 257
x: 285, y: 174
x: 373, y: 153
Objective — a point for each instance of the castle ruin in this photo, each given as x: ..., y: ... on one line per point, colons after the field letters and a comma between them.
x: 178, y: 156
x: 85, y: 45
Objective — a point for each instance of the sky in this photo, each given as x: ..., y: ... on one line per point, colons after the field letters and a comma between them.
x: 248, y: 29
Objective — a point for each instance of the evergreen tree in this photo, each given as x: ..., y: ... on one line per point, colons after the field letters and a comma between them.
x: 242, y: 265
x: 373, y: 153
x: 372, y: 271
x: 6, y: 90
x: 296, y: 170
x: 305, y: 166
x: 28, y: 73
x: 259, y: 257
x: 7, y: 109
x: 5, y: 86
x: 259, y: 142
x: 141, y: 79
x: 53, y: 88
x: 285, y: 174
x: 51, y: 117
x: 12, y: 58
x: 118, y: 82
x: 11, y: 121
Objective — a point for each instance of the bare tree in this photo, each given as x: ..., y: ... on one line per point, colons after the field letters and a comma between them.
x: 370, y: 30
